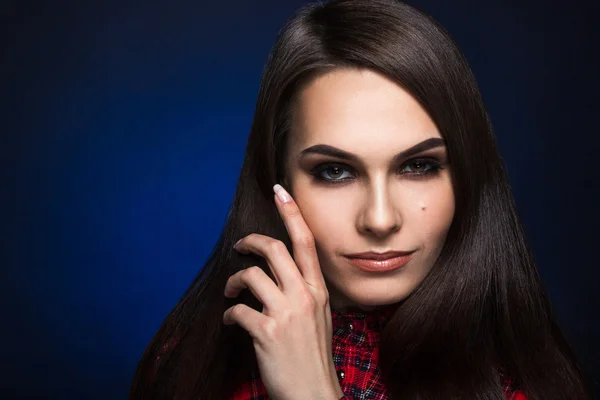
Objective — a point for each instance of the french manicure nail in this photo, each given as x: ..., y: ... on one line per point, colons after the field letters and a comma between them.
x: 281, y: 193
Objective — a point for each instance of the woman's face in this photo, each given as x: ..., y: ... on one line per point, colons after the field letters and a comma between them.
x: 359, y: 193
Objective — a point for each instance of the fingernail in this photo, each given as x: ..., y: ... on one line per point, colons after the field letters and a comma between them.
x: 236, y: 244
x: 281, y: 193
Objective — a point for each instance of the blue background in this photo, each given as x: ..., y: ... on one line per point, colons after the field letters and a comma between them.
x: 123, y: 130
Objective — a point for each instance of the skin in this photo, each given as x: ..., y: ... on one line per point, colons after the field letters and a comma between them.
x: 382, y: 206
x: 379, y: 206
x: 292, y: 336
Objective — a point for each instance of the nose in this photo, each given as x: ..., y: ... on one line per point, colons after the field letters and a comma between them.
x: 380, y: 217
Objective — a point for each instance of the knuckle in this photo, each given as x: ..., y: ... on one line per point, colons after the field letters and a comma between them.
x: 306, y: 241
x: 269, y: 328
x: 276, y: 246
x: 323, y: 298
x: 286, y: 316
x: 293, y: 211
x: 306, y: 300
x: 237, y: 310
x: 252, y: 272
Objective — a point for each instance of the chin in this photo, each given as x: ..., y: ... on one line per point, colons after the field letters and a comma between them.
x: 349, y: 288
x: 377, y: 300
x: 370, y: 297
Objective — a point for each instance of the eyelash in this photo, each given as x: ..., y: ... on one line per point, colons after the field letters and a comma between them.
x: 435, y: 168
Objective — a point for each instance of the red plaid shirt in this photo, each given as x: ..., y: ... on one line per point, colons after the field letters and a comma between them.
x: 355, y: 355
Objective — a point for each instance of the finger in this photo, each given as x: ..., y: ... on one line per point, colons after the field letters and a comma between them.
x: 257, y: 281
x: 246, y: 317
x: 277, y: 256
x: 303, y: 242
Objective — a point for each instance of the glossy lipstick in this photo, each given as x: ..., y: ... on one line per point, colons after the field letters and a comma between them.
x: 380, y: 262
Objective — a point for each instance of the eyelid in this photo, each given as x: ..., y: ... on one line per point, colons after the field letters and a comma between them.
x: 423, y: 158
x: 324, y: 165
x: 435, y: 160
x: 435, y: 163
x: 317, y: 171
x: 431, y: 159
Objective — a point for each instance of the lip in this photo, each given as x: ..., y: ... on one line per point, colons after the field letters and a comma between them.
x: 380, y: 262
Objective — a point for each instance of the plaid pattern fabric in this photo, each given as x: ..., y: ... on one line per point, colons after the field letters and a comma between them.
x: 355, y: 355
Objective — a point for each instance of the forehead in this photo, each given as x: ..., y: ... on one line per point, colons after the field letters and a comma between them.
x: 360, y: 111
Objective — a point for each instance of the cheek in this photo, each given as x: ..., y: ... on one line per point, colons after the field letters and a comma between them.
x: 328, y: 217
x: 434, y: 212
x: 426, y: 212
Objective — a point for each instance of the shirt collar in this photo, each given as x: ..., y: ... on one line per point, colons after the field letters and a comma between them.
x: 359, y: 327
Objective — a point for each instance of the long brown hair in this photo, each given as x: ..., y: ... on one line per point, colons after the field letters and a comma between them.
x: 482, y: 310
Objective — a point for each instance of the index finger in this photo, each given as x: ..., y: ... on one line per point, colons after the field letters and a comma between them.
x: 303, y: 242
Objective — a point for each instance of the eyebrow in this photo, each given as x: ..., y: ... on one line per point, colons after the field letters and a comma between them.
x: 327, y: 150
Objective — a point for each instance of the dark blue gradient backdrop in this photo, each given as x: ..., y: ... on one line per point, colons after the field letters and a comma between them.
x: 123, y: 130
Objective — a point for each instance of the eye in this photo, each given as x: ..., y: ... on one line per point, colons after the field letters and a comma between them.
x: 421, y: 166
x: 332, y: 173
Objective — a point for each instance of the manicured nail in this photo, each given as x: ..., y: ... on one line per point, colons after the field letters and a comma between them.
x: 236, y: 244
x: 281, y: 193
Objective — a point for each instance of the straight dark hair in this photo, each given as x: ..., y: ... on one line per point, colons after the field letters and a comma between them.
x: 480, y: 315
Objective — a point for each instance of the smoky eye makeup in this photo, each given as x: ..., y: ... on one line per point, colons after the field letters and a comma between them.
x: 332, y: 172
x: 417, y: 168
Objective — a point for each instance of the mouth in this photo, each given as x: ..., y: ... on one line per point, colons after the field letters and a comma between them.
x: 380, y: 262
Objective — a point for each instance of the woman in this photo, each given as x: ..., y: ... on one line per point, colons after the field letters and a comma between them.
x: 410, y: 276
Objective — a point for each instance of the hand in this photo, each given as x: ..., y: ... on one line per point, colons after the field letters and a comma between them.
x: 292, y: 336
